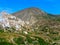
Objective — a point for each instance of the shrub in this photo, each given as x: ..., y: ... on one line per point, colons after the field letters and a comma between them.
x: 19, y: 40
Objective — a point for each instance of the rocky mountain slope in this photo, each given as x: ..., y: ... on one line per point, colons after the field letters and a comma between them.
x: 44, y: 24
x: 31, y: 26
x: 29, y: 14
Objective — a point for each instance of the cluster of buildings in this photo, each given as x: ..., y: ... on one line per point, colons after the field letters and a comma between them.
x: 8, y: 20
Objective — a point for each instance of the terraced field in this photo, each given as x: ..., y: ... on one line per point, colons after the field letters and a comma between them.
x: 20, y: 39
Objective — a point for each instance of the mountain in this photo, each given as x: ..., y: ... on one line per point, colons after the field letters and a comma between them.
x: 36, y: 27
x: 33, y: 15
x: 29, y: 15
x: 42, y: 23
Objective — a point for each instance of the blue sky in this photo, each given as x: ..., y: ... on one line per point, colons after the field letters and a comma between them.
x: 49, y: 6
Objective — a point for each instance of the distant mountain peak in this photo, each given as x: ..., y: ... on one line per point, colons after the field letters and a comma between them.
x: 31, y: 9
x: 29, y: 14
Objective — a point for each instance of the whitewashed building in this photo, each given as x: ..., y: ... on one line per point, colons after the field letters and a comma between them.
x: 10, y: 21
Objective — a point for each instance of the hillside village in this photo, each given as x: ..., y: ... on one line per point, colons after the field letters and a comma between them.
x: 10, y: 21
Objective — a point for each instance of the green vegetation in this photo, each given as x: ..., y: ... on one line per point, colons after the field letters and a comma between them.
x: 19, y: 40
x: 5, y: 43
x: 1, y: 30
x: 42, y: 42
